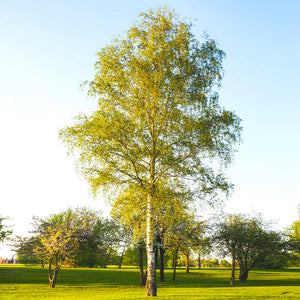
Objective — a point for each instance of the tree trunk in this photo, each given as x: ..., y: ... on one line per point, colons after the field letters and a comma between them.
x: 187, y: 264
x: 142, y: 280
x: 151, y: 288
x: 106, y: 259
x: 52, y: 276
x: 156, y: 256
x: 50, y: 273
x: 232, y: 279
x: 243, y: 276
x: 199, y: 261
x: 52, y: 281
x: 122, y: 255
x: 145, y: 278
x: 175, y: 264
x: 161, y: 255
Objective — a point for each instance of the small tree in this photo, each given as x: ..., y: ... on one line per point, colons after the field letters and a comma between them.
x: 249, y: 241
x: 58, y: 235
x: 203, y: 248
x: 180, y: 238
x: 192, y: 238
x: 228, y: 234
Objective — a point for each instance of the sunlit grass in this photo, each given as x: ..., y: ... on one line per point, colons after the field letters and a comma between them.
x: 30, y: 282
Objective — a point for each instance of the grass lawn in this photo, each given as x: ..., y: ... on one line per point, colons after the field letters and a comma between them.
x: 31, y: 282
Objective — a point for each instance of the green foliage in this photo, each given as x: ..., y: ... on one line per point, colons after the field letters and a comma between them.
x: 157, y: 111
x: 209, y: 263
x: 58, y: 234
x: 97, y: 243
x: 73, y: 235
x: 25, y: 249
x: 4, y: 233
x: 131, y: 257
x: 225, y: 264
x: 293, y: 232
x: 130, y: 211
x: 251, y: 242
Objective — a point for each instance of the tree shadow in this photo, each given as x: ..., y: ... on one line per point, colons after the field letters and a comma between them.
x: 130, y: 277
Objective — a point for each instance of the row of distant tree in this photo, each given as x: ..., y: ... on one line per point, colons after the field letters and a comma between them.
x: 83, y: 237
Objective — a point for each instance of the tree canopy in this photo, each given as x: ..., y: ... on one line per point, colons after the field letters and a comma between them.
x: 249, y: 240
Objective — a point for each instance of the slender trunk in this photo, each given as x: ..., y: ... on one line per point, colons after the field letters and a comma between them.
x: 199, y: 261
x: 50, y: 272
x: 151, y: 287
x: 156, y: 256
x: 161, y: 265
x: 52, y: 275
x: 145, y: 278
x: 232, y: 279
x: 121, y: 259
x: 106, y: 260
x: 53, y: 280
x: 142, y: 280
x: 175, y: 264
x: 187, y: 264
x: 122, y: 255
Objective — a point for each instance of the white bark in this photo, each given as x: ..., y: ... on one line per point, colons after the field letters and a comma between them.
x: 151, y: 267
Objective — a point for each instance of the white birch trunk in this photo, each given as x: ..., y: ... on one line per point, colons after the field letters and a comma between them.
x: 151, y: 267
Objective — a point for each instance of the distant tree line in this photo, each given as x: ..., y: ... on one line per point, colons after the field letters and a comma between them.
x: 83, y: 237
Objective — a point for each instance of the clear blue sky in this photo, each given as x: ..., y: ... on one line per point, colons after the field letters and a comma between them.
x: 47, y: 48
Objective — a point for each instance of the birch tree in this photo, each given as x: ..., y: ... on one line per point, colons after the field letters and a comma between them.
x: 158, y: 116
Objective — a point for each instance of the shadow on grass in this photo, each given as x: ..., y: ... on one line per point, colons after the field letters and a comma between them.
x: 130, y: 277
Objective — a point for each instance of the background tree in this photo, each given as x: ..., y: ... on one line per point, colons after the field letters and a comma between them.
x: 108, y: 237
x: 204, y: 247
x: 4, y: 233
x: 24, y: 249
x: 176, y: 238
x: 228, y: 234
x: 124, y: 240
x: 173, y: 205
x: 191, y: 238
x: 58, y: 235
x: 293, y: 233
x: 158, y: 115
x: 249, y: 241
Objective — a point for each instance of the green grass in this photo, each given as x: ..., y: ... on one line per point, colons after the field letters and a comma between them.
x: 31, y: 282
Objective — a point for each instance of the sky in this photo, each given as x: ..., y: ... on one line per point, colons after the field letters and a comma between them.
x: 48, y: 48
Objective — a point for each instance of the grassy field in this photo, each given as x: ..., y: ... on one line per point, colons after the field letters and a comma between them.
x: 31, y: 282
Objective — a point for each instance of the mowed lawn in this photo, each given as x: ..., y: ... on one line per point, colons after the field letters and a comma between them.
x: 31, y: 282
